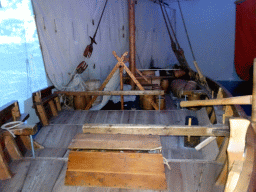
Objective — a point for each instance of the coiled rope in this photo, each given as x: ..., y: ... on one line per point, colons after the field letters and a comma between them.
x: 11, y: 125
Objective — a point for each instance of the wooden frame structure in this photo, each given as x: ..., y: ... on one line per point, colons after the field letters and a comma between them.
x: 42, y: 101
x: 13, y: 148
x: 121, y: 66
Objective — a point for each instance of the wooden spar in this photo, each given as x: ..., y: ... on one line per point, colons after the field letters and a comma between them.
x: 131, y: 7
x: 241, y: 100
x: 156, y: 129
x: 145, y: 92
x: 253, y: 119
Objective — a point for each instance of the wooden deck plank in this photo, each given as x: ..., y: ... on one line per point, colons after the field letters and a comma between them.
x: 114, y: 117
x: 42, y: 175
x: 101, y: 116
x: 75, y: 118
x: 63, y: 117
x: 60, y: 136
x: 147, y: 117
x: 91, y: 116
x: 43, y: 133
x: 115, y: 142
x: 20, y: 170
x: 128, y: 117
x: 81, y: 116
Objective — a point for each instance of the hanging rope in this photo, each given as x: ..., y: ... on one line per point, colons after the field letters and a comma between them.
x: 186, y: 31
x: 172, y: 41
x: 174, y: 34
x: 178, y: 52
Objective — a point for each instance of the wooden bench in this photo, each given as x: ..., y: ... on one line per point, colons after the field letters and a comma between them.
x: 46, y: 104
x: 13, y: 148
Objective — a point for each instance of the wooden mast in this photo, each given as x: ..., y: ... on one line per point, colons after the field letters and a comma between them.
x: 131, y: 7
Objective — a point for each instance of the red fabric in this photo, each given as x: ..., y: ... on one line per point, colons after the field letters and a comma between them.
x: 245, y: 42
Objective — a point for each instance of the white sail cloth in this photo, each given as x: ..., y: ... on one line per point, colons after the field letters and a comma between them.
x: 64, y: 27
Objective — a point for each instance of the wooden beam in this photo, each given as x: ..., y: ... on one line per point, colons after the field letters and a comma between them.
x: 121, y: 70
x: 12, y: 148
x: 156, y: 129
x: 25, y: 130
x: 254, y: 95
x: 116, y: 142
x: 241, y: 100
x: 145, y: 92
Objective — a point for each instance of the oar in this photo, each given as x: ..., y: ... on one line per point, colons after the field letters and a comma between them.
x: 88, y: 50
x: 241, y: 100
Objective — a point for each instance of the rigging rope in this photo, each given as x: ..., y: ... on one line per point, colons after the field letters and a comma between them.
x: 172, y: 41
x: 178, y: 52
x: 186, y: 31
x: 174, y: 34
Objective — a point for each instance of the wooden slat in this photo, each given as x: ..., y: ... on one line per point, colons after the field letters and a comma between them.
x: 156, y: 129
x: 122, y: 170
x: 19, y: 169
x: 85, y: 93
x: 115, y: 142
x: 42, y: 175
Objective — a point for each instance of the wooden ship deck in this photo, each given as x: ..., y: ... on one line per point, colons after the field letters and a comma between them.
x: 190, y: 170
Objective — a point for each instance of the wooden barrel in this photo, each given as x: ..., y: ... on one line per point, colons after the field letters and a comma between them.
x: 179, y: 73
x: 165, y: 85
x: 177, y: 87
x: 148, y: 73
x: 92, y: 84
x: 79, y: 102
x: 162, y: 102
x: 145, y: 102
x: 191, y: 85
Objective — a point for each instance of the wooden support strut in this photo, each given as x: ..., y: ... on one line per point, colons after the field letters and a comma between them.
x: 120, y: 63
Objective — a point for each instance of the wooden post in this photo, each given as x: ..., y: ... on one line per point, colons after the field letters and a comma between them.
x: 42, y: 115
x: 131, y: 7
x: 15, y: 111
x: 5, y: 172
x: 254, y: 96
x: 57, y: 101
x: 53, y: 108
x: 121, y: 86
x: 12, y: 147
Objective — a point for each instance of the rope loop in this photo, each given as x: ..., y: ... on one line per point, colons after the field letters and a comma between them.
x: 11, y: 125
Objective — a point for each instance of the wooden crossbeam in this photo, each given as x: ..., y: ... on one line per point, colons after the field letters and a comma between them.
x: 145, y: 92
x: 120, y: 64
x: 156, y: 129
